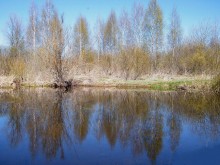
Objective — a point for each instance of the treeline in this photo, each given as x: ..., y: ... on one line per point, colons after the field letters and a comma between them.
x: 128, y: 46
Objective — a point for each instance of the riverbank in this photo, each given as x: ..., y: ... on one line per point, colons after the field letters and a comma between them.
x: 154, y: 82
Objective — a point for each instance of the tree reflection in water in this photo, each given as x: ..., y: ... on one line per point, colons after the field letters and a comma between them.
x: 139, y: 120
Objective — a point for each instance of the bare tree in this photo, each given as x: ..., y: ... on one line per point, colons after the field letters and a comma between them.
x: 58, y: 44
x: 215, y: 46
x: 111, y: 37
x: 52, y: 40
x: 99, y: 35
x: 154, y: 29
x: 15, y: 34
x: 125, y: 31
x: 137, y: 25
x: 81, y: 38
x: 174, y: 36
x: 111, y: 34
x: 33, y: 28
x: 125, y: 44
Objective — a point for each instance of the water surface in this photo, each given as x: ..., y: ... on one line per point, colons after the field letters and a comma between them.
x: 108, y: 126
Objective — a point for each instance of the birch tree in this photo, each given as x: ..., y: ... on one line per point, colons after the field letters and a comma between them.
x: 33, y: 29
x: 215, y: 46
x: 52, y: 40
x: 58, y: 45
x: 174, y: 36
x: 111, y: 39
x: 137, y: 25
x: 15, y: 35
x: 154, y: 30
x: 125, y: 31
x: 81, y: 38
x: 99, y: 35
x: 125, y: 44
x: 111, y: 34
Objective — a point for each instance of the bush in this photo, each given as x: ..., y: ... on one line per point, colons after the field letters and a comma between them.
x: 216, y: 84
x: 141, y: 63
x: 17, y: 67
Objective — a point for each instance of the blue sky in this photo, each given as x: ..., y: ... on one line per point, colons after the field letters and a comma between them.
x: 192, y: 12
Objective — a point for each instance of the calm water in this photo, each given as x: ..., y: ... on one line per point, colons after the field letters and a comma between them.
x: 98, y: 126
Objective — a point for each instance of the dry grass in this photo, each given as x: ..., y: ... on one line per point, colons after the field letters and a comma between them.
x: 216, y: 84
x: 5, y: 81
x: 155, y: 81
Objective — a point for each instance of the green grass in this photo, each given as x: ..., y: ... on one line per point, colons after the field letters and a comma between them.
x: 172, y: 85
x: 161, y: 85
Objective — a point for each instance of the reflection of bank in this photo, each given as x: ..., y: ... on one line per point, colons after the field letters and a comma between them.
x: 134, y: 119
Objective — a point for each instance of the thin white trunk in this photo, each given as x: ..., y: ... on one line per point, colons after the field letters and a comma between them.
x: 80, y: 41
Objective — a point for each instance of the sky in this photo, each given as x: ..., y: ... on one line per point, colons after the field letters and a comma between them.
x: 192, y: 12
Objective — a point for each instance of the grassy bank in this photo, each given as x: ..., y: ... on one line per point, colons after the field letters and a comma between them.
x: 177, y: 83
x: 149, y: 82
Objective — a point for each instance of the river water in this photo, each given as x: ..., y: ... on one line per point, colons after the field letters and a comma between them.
x: 108, y: 126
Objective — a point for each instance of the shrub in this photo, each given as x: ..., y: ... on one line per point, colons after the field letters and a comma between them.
x: 216, y: 84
